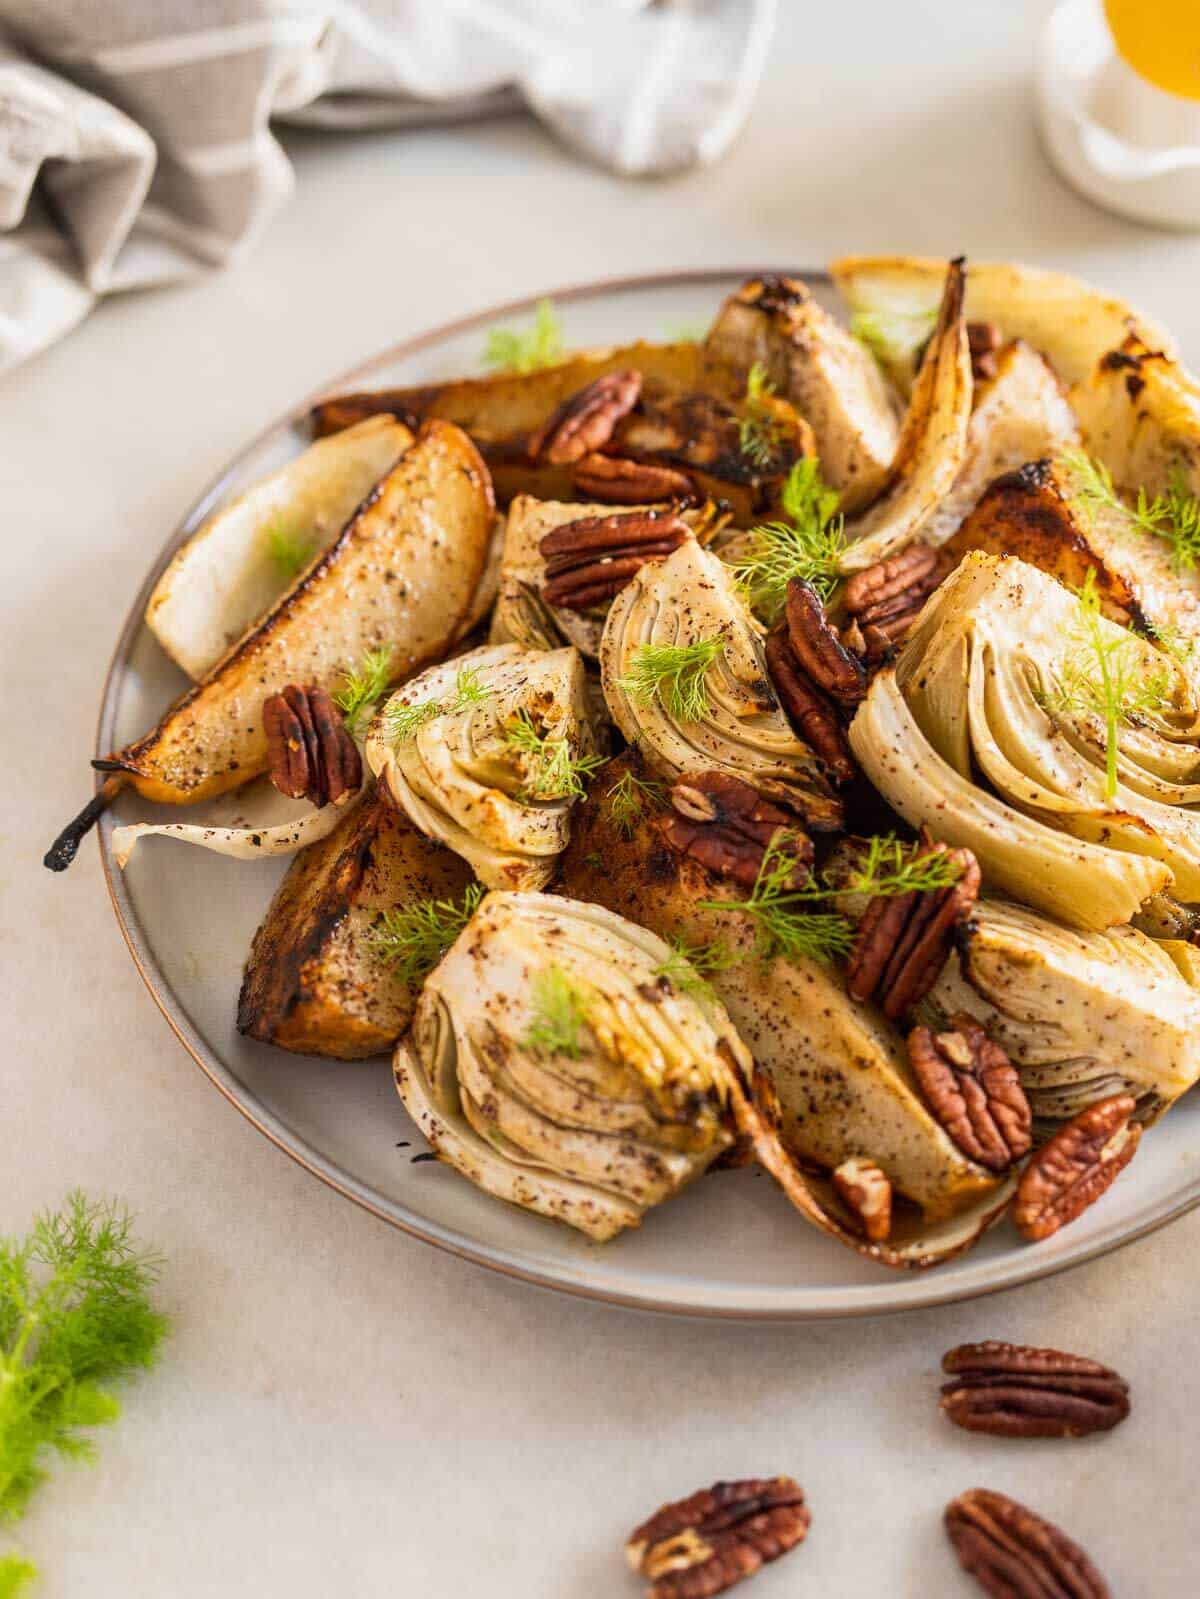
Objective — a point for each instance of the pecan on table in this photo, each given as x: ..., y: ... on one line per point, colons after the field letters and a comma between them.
x: 818, y: 650
x: 309, y: 751
x: 622, y: 480
x: 728, y: 826
x: 585, y: 421
x: 904, y: 940
x: 811, y: 712
x: 973, y: 1090
x: 590, y: 560
x: 1014, y: 1554
x: 1076, y: 1166
x: 984, y: 340
x: 702, y: 1545
x: 884, y: 600
x: 1015, y: 1391
x: 864, y: 1188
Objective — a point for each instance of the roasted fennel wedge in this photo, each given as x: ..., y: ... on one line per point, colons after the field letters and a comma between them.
x: 832, y: 1079
x: 486, y: 753
x: 1079, y: 729
x: 1082, y: 1015
x: 685, y: 680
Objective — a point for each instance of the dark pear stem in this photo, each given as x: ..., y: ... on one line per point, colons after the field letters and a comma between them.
x: 66, y: 846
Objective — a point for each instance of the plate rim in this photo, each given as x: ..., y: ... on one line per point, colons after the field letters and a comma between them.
x: 891, y: 1295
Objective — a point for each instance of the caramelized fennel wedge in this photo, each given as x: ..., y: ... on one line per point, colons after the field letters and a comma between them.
x: 402, y: 574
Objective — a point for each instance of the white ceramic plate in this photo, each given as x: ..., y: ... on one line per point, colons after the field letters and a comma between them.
x: 731, y: 1246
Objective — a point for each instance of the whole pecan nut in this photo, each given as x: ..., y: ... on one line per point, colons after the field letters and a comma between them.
x: 904, y: 940
x: 1015, y: 1391
x: 973, y: 1090
x: 885, y: 599
x: 728, y: 826
x: 1076, y: 1166
x: 812, y: 714
x: 819, y: 651
x: 586, y: 421
x: 702, y: 1545
x: 309, y: 752
x: 1013, y: 1554
x: 590, y: 560
x: 864, y: 1188
x: 621, y: 480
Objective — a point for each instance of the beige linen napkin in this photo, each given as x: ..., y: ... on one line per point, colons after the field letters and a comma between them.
x: 135, y: 142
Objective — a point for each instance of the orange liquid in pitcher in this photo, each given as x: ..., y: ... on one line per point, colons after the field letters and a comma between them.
x: 1160, y: 40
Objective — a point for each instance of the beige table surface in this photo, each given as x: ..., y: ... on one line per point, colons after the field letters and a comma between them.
x: 344, y: 1411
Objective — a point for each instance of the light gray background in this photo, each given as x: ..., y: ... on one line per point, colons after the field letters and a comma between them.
x: 343, y: 1411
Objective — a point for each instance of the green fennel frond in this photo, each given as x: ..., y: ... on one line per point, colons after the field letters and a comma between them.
x: 411, y: 939
x: 759, y: 432
x: 559, y: 1014
x: 787, y: 923
x: 689, y: 967
x: 289, y: 550
x: 1173, y: 516
x: 675, y: 675
x: 555, y: 771
x: 15, y: 1574
x: 890, y: 867
x: 1101, y: 675
x: 364, y: 685
x: 402, y: 722
x: 75, y: 1317
x: 526, y: 350
x: 627, y: 800
x: 809, y: 544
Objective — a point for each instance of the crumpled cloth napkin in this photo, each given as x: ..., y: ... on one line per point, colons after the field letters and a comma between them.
x: 135, y: 142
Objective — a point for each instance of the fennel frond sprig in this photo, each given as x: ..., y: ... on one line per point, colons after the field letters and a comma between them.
x: 555, y: 770
x: 1173, y: 516
x: 559, y: 1015
x: 675, y: 675
x: 402, y: 722
x: 1101, y: 675
x: 808, y: 544
x: 760, y: 435
x: 526, y: 350
x: 365, y: 684
x: 889, y: 867
x: 627, y: 800
x: 411, y: 939
x: 689, y: 967
x: 290, y: 551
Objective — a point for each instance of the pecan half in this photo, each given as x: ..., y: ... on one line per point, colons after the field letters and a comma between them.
x: 309, y: 752
x: 1014, y: 1554
x: 885, y: 599
x: 973, y: 1090
x: 590, y: 560
x: 702, y: 1545
x: 813, y: 715
x: 1076, y: 1166
x: 822, y: 656
x: 904, y: 940
x: 984, y: 340
x: 623, y: 481
x: 586, y: 421
x: 864, y: 1188
x: 1015, y: 1391
x: 728, y: 826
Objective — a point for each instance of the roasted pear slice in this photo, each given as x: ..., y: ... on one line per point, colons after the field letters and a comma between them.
x: 685, y: 678
x: 1071, y: 323
x: 548, y: 1066
x: 1082, y: 1015
x: 933, y: 439
x: 1140, y: 414
x: 825, y: 372
x: 835, y: 1072
x: 484, y: 753
x: 314, y: 983
x: 1040, y: 515
x: 403, y: 574
x: 249, y: 552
